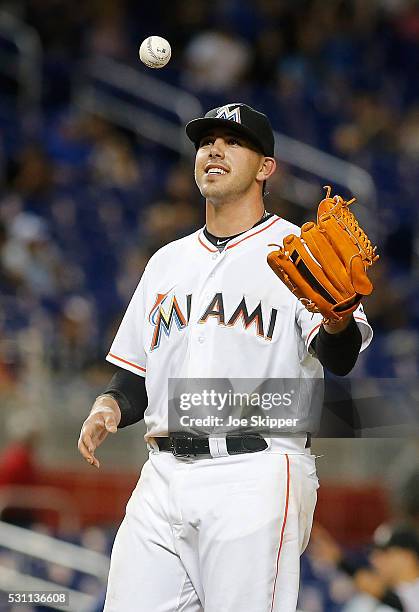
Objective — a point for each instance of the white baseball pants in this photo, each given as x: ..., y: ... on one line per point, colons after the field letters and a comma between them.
x: 214, y: 534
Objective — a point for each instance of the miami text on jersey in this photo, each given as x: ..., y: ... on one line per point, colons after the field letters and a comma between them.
x: 166, y: 310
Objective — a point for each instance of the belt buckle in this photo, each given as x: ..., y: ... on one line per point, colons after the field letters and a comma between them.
x: 181, y: 446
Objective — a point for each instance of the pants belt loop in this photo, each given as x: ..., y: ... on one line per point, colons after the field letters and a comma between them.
x: 152, y: 445
x: 218, y: 447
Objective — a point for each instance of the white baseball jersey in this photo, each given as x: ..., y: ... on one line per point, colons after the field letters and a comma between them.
x: 223, y: 532
x: 200, y: 313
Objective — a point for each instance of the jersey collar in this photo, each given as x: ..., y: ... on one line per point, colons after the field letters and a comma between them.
x: 254, y: 231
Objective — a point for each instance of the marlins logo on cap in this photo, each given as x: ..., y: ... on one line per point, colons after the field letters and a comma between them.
x: 241, y: 118
x: 230, y: 111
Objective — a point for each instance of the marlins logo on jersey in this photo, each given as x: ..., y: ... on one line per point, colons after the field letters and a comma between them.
x: 167, y: 310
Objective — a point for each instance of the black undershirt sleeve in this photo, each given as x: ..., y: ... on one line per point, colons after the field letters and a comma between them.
x: 338, y: 352
x: 129, y: 391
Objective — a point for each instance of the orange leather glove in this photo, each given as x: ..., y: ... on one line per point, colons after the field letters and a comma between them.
x: 325, y: 267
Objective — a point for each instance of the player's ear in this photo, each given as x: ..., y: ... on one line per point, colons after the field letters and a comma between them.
x: 267, y: 168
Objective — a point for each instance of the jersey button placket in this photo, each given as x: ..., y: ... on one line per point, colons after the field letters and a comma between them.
x: 198, y: 334
x: 216, y: 258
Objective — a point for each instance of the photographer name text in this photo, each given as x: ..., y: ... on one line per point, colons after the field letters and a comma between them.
x: 253, y: 421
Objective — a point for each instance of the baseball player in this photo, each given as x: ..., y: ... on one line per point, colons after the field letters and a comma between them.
x: 217, y: 523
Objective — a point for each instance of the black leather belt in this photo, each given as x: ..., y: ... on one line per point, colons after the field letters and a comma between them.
x: 187, y: 446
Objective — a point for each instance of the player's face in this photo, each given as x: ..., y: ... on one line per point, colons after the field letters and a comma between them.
x: 226, y: 166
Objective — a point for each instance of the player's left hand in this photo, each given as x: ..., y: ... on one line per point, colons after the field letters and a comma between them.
x: 326, y: 266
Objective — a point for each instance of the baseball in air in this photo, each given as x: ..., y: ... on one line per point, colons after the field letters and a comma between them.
x: 155, y: 52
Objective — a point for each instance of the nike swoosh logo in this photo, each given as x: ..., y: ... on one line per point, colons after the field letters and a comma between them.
x: 223, y: 241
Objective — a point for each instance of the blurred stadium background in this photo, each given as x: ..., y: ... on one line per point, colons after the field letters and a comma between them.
x: 96, y: 174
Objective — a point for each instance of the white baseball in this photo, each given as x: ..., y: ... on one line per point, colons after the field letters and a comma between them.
x: 155, y: 52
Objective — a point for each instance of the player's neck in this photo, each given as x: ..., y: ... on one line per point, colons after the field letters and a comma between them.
x: 231, y: 218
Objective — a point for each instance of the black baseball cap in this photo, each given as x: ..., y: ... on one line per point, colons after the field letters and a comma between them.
x: 240, y: 118
x: 402, y: 536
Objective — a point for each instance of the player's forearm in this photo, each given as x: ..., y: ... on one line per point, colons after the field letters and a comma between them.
x: 129, y: 391
x: 338, y: 352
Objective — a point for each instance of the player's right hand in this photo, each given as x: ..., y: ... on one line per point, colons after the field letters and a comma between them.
x: 104, y: 418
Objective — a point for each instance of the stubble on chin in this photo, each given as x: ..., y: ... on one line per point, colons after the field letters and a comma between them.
x: 210, y: 190
x: 214, y: 193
